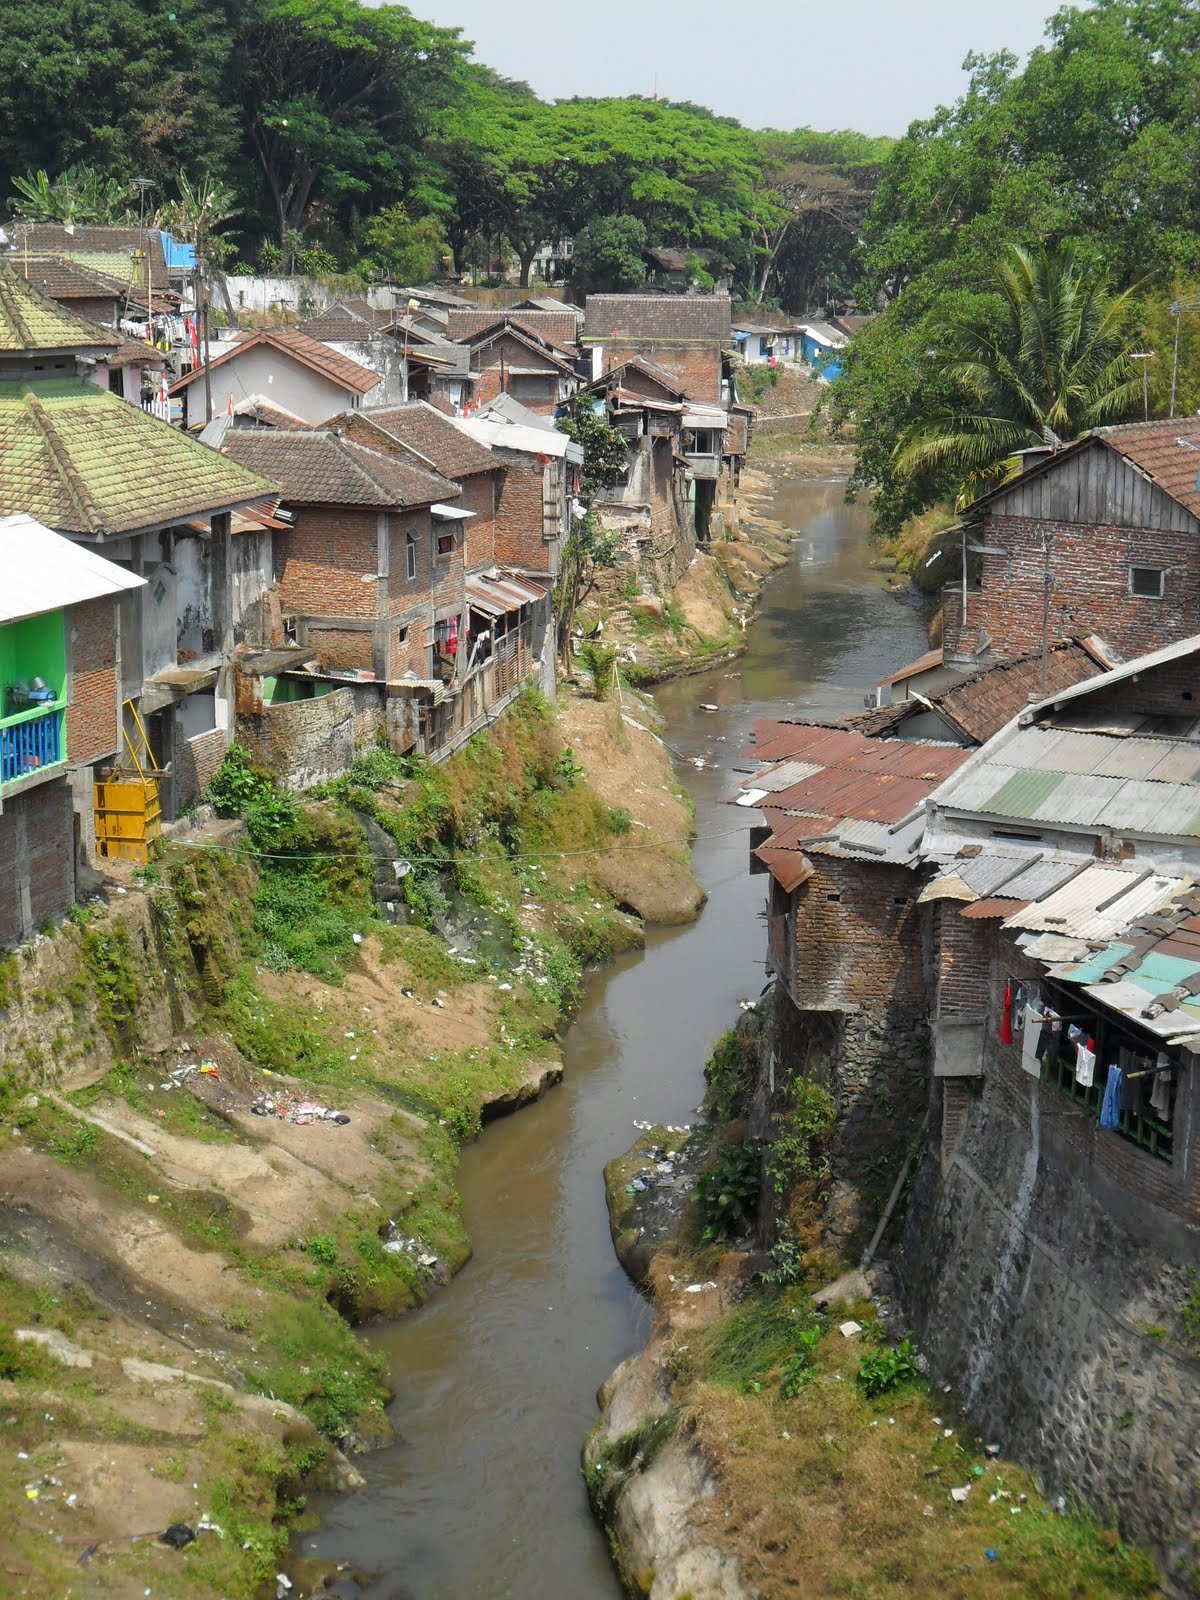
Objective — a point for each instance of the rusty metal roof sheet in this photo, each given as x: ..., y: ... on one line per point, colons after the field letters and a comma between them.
x: 992, y: 908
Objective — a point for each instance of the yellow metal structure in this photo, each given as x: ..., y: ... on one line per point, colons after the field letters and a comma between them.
x: 127, y: 804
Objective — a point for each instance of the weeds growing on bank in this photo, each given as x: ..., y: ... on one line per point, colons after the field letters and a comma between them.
x: 848, y: 1458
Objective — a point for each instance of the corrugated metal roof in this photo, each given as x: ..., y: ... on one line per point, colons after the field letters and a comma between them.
x: 1097, y: 904
x: 773, y: 780
x: 1040, y: 878
x: 1076, y: 798
x: 994, y: 908
x: 789, y: 868
x: 44, y: 572
x: 1020, y: 794
x: 496, y: 596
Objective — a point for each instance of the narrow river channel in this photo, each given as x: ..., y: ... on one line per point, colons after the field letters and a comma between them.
x: 495, y: 1379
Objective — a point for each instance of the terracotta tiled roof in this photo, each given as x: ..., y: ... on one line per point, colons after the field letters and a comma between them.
x: 31, y: 322
x: 92, y: 239
x: 559, y: 328
x: 981, y: 704
x: 432, y: 434
x: 663, y: 318
x: 323, y: 468
x: 136, y: 353
x: 345, y: 320
x: 62, y: 279
x: 83, y: 461
x: 656, y: 374
x: 311, y: 353
x: 1168, y: 451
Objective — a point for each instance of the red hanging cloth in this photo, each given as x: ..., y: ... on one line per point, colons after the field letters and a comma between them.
x: 1006, y: 1032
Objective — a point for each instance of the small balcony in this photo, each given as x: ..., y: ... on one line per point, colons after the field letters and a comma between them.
x: 32, y: 746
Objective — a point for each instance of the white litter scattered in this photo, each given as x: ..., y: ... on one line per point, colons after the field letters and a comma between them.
x: 849, y: 1329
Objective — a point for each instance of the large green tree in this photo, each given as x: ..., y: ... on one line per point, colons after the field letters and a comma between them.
x: 128, y: 87
x: 339, y: 99
x: 1043, y: 359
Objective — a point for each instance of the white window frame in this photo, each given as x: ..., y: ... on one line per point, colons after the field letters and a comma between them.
x: 1140, y: 594
x: 410, y: 556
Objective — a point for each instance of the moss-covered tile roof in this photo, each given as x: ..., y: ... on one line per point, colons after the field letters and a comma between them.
x: 31, y: 322
x: 83, y: 461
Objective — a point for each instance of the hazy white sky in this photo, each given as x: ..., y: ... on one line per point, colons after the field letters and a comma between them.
x: 867, y: 64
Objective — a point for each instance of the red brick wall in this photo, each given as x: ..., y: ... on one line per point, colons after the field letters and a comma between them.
x: 320, y: 562
x: 404, y: 592
x: 857, y: 937
x: 480, y: 492
x: 196, y: 763
x: 92, y: 731
x: 1090, y: 567
x: 963, y: 963
x: 519, y: 541
x: 695, y: 368
x: 341, y: 649
x: 492, y: 364
x: 1172, y: 690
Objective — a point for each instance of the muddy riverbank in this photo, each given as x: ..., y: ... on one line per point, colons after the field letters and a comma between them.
x: 496, y: 1377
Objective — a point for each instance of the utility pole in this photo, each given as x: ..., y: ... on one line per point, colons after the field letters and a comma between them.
x: 1177, y: 308
x: 1141, y: 357
x: 1046, y: 587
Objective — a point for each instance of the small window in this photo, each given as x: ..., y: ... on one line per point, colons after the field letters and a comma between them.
x: 410, y: 556
x: 445, y: 544
x: 1147, y: 582
x: 401, y: 635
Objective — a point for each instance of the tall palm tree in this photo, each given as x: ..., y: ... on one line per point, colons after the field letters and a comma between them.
x: 1052, y: 363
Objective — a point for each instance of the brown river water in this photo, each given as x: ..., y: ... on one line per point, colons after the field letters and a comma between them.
x: 496, y: 1378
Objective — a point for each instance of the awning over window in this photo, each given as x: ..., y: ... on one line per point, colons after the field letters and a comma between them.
x: 495, y: 597
x: 443, y: 513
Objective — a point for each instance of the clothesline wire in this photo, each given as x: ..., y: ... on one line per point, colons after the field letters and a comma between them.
x: 400, y: 855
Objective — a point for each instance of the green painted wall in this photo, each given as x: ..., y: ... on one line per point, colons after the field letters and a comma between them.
x: 33, y: 648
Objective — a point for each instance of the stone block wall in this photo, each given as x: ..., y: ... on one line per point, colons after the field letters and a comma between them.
x: 37, y: 859
x: 1050, y: 1296
x: 312, y: 741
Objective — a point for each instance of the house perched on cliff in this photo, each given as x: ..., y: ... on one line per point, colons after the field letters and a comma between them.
x: 1057, y: 1221
x: 844, y: 818
x: 157, y: 504
x: 1100, y: 536
x: 58, y: 612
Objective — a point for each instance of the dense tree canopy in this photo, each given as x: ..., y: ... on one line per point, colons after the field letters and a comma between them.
x: 1095, y: 142
x: 361, y: 134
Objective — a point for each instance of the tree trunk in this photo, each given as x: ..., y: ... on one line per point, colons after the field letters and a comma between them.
x: 526, y: 254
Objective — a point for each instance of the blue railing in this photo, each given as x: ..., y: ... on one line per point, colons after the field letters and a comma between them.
x: 30, y: 742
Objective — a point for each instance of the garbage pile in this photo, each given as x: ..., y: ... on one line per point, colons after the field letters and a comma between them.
x: 300, y: 1112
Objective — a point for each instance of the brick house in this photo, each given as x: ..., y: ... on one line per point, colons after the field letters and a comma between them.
x: 1100, y: 536
x: 157, y: 504
x: 843, y: 824
x: 508, y: 358
x: 59, y: 704
x: 303, y: 376
x: 555, y: 325
x: 690, y: 338
x: 649, y: 507
x: 374, y: 596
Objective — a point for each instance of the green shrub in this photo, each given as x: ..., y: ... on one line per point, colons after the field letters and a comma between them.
x: 727, y: 1196
x: 889, y: 1367
x: 237, y: 783
x: 600, y: 663
x: 730, y: 1073
x: 619, y: 820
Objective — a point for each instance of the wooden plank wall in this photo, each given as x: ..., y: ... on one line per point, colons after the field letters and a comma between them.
x: 1097, y: 488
